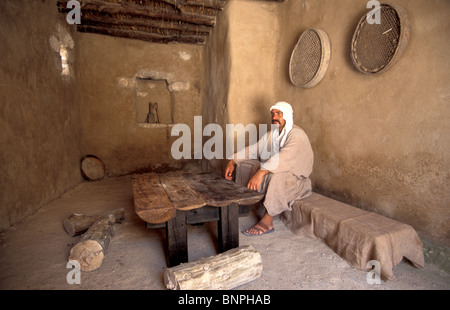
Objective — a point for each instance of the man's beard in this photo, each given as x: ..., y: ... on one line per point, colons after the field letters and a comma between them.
x: 278, y: 124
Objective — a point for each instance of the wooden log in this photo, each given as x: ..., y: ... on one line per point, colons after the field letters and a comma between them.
x: 90, y: 251
x: 222, y: 272
x: 77, y: 223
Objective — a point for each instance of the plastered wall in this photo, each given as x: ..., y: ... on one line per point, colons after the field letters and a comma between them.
x: 40, y: 123
x: 240, y: 70
x: 382, y: 142
x: 108, y: 69
x: 216, y: 80
x: 254, y: 35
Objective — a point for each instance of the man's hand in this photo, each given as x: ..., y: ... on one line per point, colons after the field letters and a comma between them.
x: 229, y: 169
x: 256, y: 179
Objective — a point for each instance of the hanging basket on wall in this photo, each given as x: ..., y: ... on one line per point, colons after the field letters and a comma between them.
x: 310, y: 58
x: 376, y: 47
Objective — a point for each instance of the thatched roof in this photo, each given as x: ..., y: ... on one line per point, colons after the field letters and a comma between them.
x: 161, y: 21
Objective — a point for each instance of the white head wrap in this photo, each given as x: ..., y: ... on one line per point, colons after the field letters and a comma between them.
x: 288, y: 116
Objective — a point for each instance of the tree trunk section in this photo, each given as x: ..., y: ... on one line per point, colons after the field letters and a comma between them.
x: 221, y: 272
x: 77, y: 223
x: 91, y: 249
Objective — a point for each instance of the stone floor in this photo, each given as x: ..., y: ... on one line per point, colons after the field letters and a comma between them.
x: 33, y: 253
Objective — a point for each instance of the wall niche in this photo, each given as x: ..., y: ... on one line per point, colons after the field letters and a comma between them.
x: 154, y: 102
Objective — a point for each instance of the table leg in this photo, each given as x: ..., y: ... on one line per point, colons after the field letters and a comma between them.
x: 228, y: 227
x: 176, y: 239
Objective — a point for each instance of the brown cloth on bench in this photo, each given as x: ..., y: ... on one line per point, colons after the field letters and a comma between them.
x: 356, y: 235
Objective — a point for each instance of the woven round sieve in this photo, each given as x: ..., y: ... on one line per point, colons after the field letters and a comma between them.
x: 377, y: 47
x: 310, y: 58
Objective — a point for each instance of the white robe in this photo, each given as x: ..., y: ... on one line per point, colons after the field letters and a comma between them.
x: 289, y: 169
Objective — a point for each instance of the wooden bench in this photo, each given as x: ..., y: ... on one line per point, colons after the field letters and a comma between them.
x: 356, y: 235
x: 175, y: 199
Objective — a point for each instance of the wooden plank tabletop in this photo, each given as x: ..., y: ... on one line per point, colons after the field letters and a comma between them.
x: 220, y: 192
x: 157, y: 196
x: 151, y: 202
x: 179, y: 192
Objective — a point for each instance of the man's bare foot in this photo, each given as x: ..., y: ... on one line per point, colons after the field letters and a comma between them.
x: 264, y: 226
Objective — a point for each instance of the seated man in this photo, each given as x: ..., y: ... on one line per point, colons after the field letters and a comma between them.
x: 283, y: 176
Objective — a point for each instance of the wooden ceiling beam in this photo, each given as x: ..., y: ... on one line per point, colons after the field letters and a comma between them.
x: 142, y: 23
x: 168, y: 13
x: 182, y: 5
x: 161, y: 21
x: 145, y: 36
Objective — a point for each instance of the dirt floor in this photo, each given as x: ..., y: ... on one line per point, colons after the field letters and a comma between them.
x: 33, y: 253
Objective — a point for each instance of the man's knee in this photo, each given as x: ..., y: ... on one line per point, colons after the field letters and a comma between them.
x: 283, y: 178
x: 245, y: 170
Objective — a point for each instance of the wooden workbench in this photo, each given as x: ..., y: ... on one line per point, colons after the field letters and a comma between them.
x: 175, y: 199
